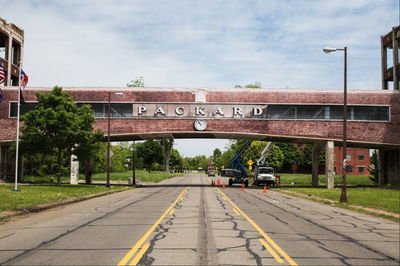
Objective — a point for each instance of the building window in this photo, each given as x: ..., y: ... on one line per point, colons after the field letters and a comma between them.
x: 24, y: 108
x: 361, y: 157
x: 349, y: 169
x: 361, y: 169
x: 327, y: 112
x: 348, y: 157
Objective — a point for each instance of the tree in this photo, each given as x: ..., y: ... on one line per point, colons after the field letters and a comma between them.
x: 176, y: 161
x: 167, y: 145
x: 217, y: 158
x: 137, y: 82
x: 292, y: 154
x: 275, y: 158
x: 151, y: 152
x: 256, y: 84
x: 58, y: 127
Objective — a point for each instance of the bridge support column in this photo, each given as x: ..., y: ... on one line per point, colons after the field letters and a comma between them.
x: 74, y: 170
x: 329, y: 164
x: 389, y: 167
x: 315, y: 163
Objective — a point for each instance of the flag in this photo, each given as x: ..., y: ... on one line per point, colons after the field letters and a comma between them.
x: 2, y: 75
x: 23, y: 82
x: 24, y: 79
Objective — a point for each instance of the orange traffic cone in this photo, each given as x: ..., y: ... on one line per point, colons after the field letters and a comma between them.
x: 265, y: 188
x: 242, y: 187
x: 223, y: 185
x: 219, y: 182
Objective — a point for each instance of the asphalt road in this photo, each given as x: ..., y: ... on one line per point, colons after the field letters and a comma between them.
x: 184, y: 221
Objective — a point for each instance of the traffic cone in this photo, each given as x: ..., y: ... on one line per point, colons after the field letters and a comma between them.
x: 219, y: 182
x: 223, y: 185
x: 242, y: 187
x: 265, y: 188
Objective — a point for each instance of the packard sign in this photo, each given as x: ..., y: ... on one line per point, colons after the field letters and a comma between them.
x: 199, y: 111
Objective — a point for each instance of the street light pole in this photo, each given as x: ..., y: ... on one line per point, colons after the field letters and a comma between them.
x: 343, y: 196
x: 108, y: 140
x: 108, y: 137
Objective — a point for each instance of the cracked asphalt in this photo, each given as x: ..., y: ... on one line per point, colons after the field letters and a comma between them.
x: 185, y: 221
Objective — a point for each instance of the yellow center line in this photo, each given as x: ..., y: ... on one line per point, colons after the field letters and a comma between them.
x: 138, y: 244
x: 140, y: 254
x: 172, y: 211
x: 270, y: 250
x: 269, y: 240
x: 236, y: 211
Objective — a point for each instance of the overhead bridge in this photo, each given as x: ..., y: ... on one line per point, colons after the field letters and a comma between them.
x: 279, y: 115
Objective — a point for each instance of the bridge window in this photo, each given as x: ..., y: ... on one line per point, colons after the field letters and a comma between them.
x: 117, y: 109
x: 100, y: 109
x: 327, y: 112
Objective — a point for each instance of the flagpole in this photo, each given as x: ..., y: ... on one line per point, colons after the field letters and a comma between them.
x: 17, y: 141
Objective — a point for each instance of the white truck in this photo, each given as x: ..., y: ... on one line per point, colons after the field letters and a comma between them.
x: 264, y: 174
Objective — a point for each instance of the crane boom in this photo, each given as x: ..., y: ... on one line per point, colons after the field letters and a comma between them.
x: 265, y: 153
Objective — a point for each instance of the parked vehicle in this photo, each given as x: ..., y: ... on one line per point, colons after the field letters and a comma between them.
x: 265, y: 175
x: 238, y: 176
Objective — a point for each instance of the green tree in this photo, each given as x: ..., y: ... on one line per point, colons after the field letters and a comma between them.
x: 167, y: 145
x: 256, y: 84
x: 58, y: 127
x: 275, y: 158
x: 137, y: 82
x: 176, y: 161
x: 292, y: 154
x: 151, y: 152
x: 307, y: 155
x: 217, y: 158
x: 119, y: 161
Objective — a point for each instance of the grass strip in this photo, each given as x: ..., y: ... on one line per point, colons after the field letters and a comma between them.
x: 153, y: 176
x: 305, y: 179
x: 379, y: 202
x: 34, y: 197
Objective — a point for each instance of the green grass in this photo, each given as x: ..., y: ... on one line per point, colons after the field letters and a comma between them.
x: 33, y: 195
x: 377, y: 198
x: 153, y: 176
x: 305, y: 179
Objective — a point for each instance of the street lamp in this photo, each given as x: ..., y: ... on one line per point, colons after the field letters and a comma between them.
x: 108, y: 137
x: 343, y: 196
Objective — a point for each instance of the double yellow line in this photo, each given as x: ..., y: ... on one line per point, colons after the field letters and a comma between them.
x: 267, y: 242
x: 138, y: 245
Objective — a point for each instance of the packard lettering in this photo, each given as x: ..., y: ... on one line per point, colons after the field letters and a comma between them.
x: 203, y: 110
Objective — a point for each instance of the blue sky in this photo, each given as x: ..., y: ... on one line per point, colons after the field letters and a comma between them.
x: 209, y: 43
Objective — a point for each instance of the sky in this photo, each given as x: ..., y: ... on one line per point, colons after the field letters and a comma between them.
x: 208, y: 43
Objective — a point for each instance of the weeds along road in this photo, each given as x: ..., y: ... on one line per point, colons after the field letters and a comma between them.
x: 184, y: 221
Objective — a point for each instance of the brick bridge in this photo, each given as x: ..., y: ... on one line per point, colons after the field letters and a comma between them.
x: 285, y: 115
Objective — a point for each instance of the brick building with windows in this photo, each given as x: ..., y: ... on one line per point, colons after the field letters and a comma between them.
x: 358, y: 161
x: 11, y: 51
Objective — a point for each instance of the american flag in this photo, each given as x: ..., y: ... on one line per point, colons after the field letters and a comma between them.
x: 2, y: 75
x: 24, y: 79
